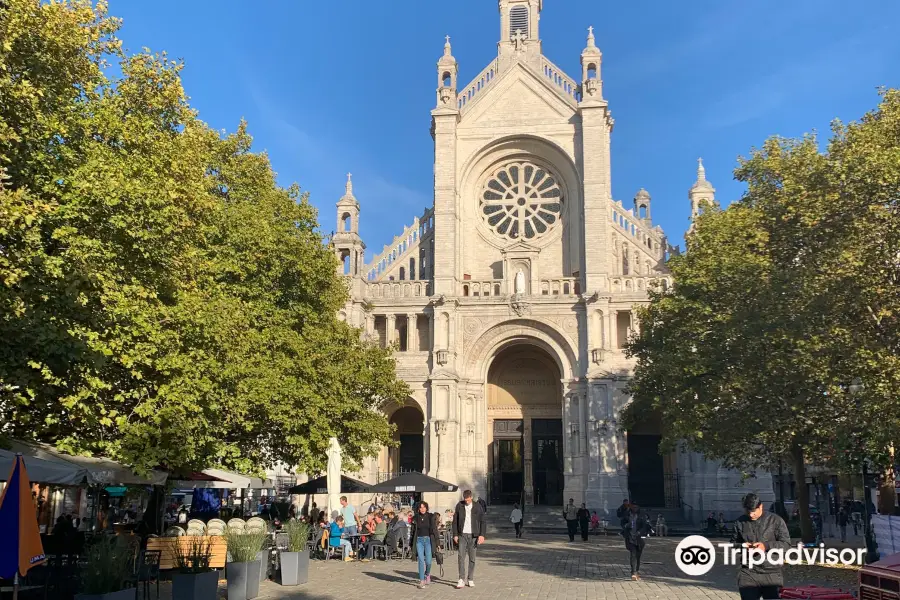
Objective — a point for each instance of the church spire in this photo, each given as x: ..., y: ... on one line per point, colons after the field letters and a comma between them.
x: 591, y: 57
x: 702, y: 192
x: 348, y: 197
x: 447, y: 71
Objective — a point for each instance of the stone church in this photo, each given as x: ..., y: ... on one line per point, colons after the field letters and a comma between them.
x: 510, y: 299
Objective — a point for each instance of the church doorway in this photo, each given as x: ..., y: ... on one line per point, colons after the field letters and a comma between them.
x: 652, y: 477
x: 525, y: 453
x: 410, y: 455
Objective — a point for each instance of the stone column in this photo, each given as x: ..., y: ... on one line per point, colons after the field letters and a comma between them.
x: 390, y: 326
x: 595, y: 139
x: 412, y: 333
x: 607, y: 329
x: 445, y: 266
x: 582, y: 424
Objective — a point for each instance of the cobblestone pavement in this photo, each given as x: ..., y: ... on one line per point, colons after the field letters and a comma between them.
x: 538, y: 568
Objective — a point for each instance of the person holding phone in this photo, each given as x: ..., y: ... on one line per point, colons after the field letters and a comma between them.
x: 760, y: 531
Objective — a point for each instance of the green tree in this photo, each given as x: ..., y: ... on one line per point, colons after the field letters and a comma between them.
x: 777, y: 307
x: 163, y: 301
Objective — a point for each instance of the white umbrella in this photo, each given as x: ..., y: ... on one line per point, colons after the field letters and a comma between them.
x: 334, y: 476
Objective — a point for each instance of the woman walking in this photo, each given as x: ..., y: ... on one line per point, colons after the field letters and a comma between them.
x: 424, y: 532
x: 636, y: 529
x: 584, y: 517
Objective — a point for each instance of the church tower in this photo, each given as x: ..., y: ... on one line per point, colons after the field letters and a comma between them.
x: 519, y: 31
x: 348, y: 246
x: 701, y: 192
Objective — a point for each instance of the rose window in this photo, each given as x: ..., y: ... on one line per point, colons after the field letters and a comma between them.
x: 521, y: 200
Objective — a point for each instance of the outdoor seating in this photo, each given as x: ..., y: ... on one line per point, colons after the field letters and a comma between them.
x: 237, y: 525
x: 166, y: 548
x: 256, y: 524
x: 196, y: 527
x: 147, y: 570
x: 174, y: 531
x: 216, y: 527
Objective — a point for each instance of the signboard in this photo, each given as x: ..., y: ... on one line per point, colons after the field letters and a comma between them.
x: 405, y: 488
x: 322, y: 491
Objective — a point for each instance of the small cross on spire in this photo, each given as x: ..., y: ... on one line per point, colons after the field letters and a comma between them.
x: 349, y: 183
x: 591, y: 30
x: 701, y: 172
x: 448, y: 39
x: 518, y: 39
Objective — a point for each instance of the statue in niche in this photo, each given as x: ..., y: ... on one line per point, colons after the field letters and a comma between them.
x: 520, y: 282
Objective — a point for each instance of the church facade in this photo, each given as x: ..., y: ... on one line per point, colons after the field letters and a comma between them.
x: 509, y: 301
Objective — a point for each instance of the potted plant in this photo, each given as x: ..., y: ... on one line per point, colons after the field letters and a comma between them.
x: 193, y: 578
x: 295, y: 562
x: 243, y: 572
x: 110, y: 565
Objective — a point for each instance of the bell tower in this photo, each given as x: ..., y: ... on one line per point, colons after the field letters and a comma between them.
x: 519, y: 30
x: 701, y: 192
x: 348, y: 246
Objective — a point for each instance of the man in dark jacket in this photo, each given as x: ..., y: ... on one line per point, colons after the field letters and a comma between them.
x: 468, y: 533
x: 762, y: 531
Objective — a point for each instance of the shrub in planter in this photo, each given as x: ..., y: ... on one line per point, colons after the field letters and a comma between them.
x: 243, y: 572
x: 295, y: 562
x: 193, y: 578
x: 109, y: 567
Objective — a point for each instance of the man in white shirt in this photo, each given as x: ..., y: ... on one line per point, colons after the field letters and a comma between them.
x: 468, y: 534
x: 516, y: 518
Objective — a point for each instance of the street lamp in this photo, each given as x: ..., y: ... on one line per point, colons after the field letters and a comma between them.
x: 857, y: 387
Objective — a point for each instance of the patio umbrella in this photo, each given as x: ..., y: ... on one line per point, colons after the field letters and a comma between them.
x: 413, y: 482
x: 319, y: 485
x: 22, y: 549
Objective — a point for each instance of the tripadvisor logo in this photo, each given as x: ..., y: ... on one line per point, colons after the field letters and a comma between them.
x: 695, y: 555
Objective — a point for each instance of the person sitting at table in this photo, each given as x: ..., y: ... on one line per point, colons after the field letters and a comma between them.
x: 377, y: 539
x: 335, y: 539
x: 398, y: 533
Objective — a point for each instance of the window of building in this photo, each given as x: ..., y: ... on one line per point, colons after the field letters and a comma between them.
x: 518, y: 21
x: 521, y: 200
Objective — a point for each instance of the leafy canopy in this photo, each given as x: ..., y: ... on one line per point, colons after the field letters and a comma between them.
x: 162, y: 300
x: 782, y: 301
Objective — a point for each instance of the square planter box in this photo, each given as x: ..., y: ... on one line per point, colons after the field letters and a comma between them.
x: 263, y: 559
x: 129, y: 594
x: 195, y: 586
x: 294, y: 568
x: 243, y: 580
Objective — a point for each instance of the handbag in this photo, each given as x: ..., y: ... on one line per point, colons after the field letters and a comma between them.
x: 439, y: 559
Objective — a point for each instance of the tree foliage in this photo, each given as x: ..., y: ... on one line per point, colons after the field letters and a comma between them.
x: 781, y: 301
x: 163, y: 301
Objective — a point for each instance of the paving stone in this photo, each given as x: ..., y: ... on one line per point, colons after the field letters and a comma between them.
x: 533, y: 568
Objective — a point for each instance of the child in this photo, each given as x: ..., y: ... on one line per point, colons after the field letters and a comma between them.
x: 595, y: 521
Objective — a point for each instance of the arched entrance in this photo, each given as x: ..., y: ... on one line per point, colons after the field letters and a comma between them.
x: 410, y: 454
x: 525, y: 445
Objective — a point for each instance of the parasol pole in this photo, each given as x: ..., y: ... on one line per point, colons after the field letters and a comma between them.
x: 16, y: 586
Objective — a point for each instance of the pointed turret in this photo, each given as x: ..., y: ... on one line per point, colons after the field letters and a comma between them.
x: 447, y: 71
x: 347, y: 244
x: 702, y: 191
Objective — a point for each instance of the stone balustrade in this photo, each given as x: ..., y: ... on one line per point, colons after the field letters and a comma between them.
x: 562, y: 81
x: 398, y: 289
x: 639, y: 283
x: 560, y: 286
x: 481, y: 81
x: 487, y: 287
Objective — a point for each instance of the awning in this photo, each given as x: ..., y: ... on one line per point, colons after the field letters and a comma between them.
x: 100, y: 471
x: 413, y: 482
x: 220, y: 479
x: 319, y: 485
x: 44, y: 471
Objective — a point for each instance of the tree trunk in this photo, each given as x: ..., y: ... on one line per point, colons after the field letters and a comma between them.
x: 806, y: 528
x: 887, y: 495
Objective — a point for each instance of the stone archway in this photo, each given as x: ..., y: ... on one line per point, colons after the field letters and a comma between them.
x: 409, y: 453
x: 525, y: 427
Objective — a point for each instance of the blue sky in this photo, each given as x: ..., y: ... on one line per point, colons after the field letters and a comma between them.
x: 332, y: 87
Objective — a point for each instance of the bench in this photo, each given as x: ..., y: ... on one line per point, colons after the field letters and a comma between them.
x: 166, y: 547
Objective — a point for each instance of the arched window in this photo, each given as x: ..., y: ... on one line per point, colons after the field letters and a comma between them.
x: 592, y: 71
x: 447, y: 81
x: 402, y: 274
x: 518, y: 21
x: 346, y: 222
x: 412, y: 268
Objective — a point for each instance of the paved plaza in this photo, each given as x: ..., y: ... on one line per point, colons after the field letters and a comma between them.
x: 540, y: 568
